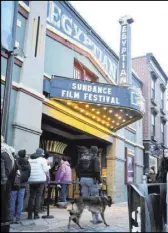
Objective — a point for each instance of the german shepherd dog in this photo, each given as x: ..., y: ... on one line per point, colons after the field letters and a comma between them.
x: 93, y: 204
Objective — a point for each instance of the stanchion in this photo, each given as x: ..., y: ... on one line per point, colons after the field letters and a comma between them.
x: 48, y: 216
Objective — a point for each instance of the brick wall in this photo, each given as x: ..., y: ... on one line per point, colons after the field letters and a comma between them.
x: 141, y: 68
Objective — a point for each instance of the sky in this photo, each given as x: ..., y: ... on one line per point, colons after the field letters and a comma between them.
x: 149, y: 30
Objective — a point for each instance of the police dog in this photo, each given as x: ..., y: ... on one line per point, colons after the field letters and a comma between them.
x: 93, y: 204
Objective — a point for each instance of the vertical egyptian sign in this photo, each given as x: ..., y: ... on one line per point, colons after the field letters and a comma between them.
x: 125, y: 73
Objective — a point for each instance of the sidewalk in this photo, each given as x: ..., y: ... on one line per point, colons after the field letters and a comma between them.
x: 116, y: 217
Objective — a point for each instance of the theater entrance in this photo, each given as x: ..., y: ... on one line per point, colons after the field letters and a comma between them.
x: 59, y: 139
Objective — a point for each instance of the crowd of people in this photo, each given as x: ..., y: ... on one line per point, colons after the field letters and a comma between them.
x: 17, y: 171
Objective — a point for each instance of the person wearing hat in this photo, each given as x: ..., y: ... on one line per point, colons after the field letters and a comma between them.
x: 24, y: 168
x: 37, y: 179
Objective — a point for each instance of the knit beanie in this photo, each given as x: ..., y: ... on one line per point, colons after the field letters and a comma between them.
x: 22, y: 153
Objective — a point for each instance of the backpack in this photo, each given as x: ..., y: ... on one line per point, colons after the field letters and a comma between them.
x: 86, y: 163
x: 17, y: 179
x: 3, y: 173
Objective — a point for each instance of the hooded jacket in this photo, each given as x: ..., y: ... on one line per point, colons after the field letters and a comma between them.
x: 25, y: 168
x: 93, y: 171
x: 39, y: 169
x: 64, y: 173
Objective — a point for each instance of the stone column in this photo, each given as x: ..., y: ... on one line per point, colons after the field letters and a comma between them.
x: 111, y: 169
x: 28, y: 110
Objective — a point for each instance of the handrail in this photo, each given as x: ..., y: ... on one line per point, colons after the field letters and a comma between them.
x: 136, y: 189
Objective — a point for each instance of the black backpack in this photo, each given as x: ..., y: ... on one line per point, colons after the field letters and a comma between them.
x: 86, y: 163
x: 17, y: 179
x: 3, y: 173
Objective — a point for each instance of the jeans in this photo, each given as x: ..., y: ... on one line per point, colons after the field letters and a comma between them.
x: 36, y: 192
x: 63, y: 192
x: 89, y: 187
x: 14, y: 194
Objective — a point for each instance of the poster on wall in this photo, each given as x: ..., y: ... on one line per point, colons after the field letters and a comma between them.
x: 129, y: 169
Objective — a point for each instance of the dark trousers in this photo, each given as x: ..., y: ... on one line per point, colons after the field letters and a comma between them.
x: 5, y: 206
x: 36, y: 192
x: 64, y: 192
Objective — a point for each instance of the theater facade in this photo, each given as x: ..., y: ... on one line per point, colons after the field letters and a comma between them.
x: 66, y: 95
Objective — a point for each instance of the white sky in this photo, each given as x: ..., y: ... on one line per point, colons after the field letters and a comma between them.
x: 149, y: 30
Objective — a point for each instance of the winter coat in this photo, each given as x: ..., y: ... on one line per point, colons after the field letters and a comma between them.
x: 162, y: 171
x: 6, y: 188
x: 64, y: 173
x: 25, y: 170
x: 94, y: 168
x: 39, y: 169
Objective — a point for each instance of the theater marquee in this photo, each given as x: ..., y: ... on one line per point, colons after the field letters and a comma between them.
x: 108, y: 101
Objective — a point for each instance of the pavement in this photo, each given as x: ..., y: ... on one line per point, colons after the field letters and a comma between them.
x: 116, y: 216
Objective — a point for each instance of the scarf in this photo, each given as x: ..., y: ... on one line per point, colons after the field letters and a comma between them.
x: 6, y: 148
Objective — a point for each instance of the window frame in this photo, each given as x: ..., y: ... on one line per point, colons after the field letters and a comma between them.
x: 84, y: 72
x: 153, y: 81
x: 162, y: 131
x: 162, y: 99
x: 153, y: 126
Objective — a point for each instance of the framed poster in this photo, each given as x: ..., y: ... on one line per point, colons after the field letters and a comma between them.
x: 129, y: 166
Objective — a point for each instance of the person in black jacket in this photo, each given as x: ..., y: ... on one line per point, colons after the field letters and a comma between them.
x: 163, y: 169
x: 88, y: 171
x: 25, y: 169
x: 7, y: 172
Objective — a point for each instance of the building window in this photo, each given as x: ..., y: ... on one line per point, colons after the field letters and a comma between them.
x: 162, y: 100
x: 77, y: 73
x: 81, y: 72
x: 162, y: 132
x: 153, y: 124
x: 152, y: 88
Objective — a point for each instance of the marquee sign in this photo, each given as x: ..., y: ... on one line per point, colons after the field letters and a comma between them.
x: 125, y: 72
x: 96, y: 93
x: 67, y: 25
